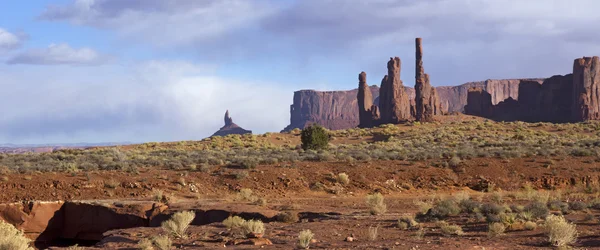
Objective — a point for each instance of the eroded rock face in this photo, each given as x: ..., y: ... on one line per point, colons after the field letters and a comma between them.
x: 365, y: 102
x: 570, y: 98
x: 586, y: 89
x: 230, y: 127
x: 394, y: 104
x: 330, y: 109
x: 479, y: 102
x: 426, y: 100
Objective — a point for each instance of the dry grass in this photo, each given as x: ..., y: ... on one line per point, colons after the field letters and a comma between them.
x: 376, y: 204
x: 304, y: 238
x: 560, y: 232
x: 12, y: 238
x: 179, y: 223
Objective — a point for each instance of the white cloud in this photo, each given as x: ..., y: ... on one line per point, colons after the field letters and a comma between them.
x: 56, y: 54
x: 164, y: 22
x: 150, y: 101
x: 9, y: 40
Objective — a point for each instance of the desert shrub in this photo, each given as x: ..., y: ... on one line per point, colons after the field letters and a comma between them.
x: 406, y: 222
x: 496, y: 229
x: 163, y: 242
x: 469, y: 206
x: 449, y: 229
x: 343, y: 178
x: 233, y: 222
x: 304, y: 238
x: 376, y: 204
x: 12, y: 239
x: 373, y: 232
x: 179, y: 223
x: 508, y: 219
x: 578, y: 205
x: 287, y: 217
x: 559, y: 231
x: 557, y: 205
x: 111, y: 183
x: 245, y: 194
x: 253, y: 227
x: 530, y: 225
x: 444, y: 208
x: 454, y: 162
x: 538, y: 210
x: 314, y: 137
x: 157, y: 195
x: 145, y: 244
x: 424, y: 205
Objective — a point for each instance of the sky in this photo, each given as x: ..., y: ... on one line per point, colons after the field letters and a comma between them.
x: 166, y: 70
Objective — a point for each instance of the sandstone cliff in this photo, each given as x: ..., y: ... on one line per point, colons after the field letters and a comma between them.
x: 330, y: 109
x: 230, y: 127
x: 586, y: 89
x: 338, y: 109
x: 570, y: 98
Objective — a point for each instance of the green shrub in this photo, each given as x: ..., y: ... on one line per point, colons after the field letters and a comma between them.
x: 314, y: 137
x: 538, y: 210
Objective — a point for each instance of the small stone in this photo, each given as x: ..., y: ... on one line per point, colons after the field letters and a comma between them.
x: 349, y: 239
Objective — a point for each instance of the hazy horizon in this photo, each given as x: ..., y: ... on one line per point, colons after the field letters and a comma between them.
x: 166, y: 70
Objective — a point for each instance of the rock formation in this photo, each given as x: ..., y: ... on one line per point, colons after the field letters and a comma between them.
x: 331, y: 109
x: 570, y: 98
x: 426, y: 100
x: 230, y: 127
x: 479, y: 102
x: 337, y: 109
x: 367, y: 112
x: 394, y: 104
x: 586, y: 89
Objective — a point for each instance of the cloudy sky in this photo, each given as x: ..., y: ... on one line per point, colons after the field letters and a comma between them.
x: 166, y: 70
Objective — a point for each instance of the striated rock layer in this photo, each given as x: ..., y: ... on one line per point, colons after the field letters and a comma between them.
x: 230, y: 128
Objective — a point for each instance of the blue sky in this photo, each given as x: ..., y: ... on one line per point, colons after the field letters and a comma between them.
x: 165, y: 70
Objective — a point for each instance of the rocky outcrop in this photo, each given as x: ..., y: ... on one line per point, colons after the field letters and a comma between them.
x: 570, y: 98
x: 336, y: 109
x: 479, y: 102
x: 426, y: 100
x: 230, y: 128
x: 586, y: 89
x: 367, y: 112
x: 394, y: 104
x: 330, y: 109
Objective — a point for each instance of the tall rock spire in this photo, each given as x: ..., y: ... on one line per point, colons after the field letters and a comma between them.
x: 365, y: 102
x: 426, y: 99
x: 394, y: 104
x: 228, y: 120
